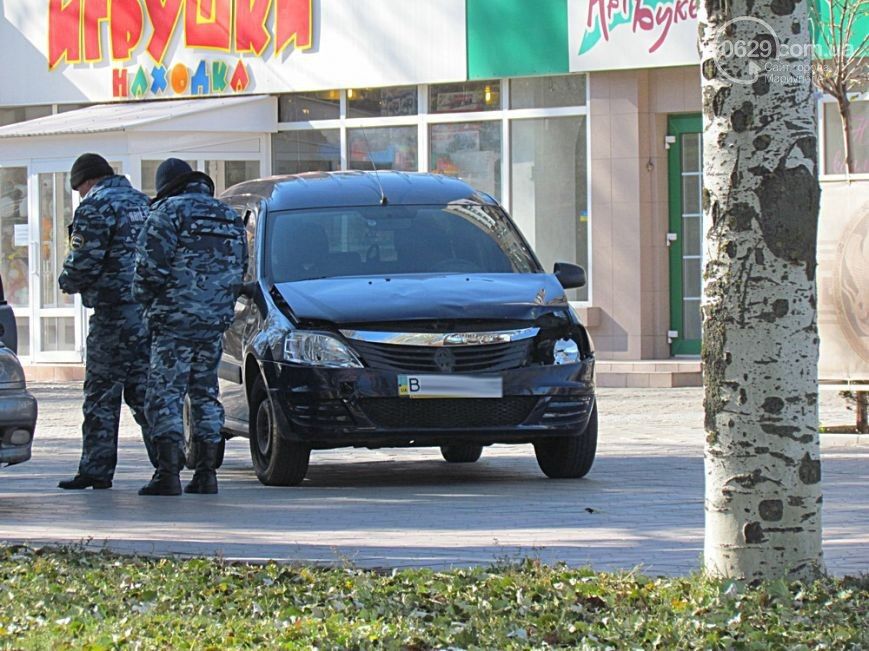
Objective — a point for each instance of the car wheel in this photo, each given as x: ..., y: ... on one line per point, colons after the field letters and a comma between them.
x: 189, y: 448
x: 465, y: 453
x: 569, y: 457
x: 276, y: 461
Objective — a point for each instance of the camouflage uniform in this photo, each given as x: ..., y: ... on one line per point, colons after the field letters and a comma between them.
x: 103, y: 237
x: 189, y: 270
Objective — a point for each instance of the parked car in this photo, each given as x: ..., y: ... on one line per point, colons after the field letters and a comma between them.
x: 17, y: 405
x: 398, y: 309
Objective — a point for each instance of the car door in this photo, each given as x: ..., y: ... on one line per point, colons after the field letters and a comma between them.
x: 232, y: 390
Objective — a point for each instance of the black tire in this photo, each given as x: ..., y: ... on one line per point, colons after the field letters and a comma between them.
x: 189, y: 448
x: 569, y: 457
x: 276, y: 461
x: 463, y: 453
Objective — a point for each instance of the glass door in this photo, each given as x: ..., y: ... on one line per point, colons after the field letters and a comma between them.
x: 15, y: 249
x: 58, y: 318
x: 685, y: 239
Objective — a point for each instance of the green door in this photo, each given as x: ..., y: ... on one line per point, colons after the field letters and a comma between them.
x: 685, y: 237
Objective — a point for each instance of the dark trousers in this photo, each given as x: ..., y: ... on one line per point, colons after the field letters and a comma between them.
x: 182, y: 367
x: 116, y: 367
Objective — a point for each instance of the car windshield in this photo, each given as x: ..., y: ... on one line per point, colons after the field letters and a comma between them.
x: 387, y: 240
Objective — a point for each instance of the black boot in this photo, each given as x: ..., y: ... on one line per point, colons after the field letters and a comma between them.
x: 84, y: 481
x: 204, y: 479
x: 167, y: 479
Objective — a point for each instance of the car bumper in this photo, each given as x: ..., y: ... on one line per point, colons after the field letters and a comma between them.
x: 17, y: 415
x: 326, y: 408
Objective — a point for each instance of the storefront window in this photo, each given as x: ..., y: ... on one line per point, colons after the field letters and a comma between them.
x: 14, y: 241
x: 58, y: 334
x: 149, y: 175
x: 303, y: 107
x: 834, y: 149
x: 226, y: 173
x: 549, y: 189
x: 22, y: 114
x: 307, y: 150
x: 55, y: 216
x: 470, y: 96
x: 381, y: 102
x: 14, y: 235
x: 470, y: 150
x: 547, y: 92
x: 386, y: 148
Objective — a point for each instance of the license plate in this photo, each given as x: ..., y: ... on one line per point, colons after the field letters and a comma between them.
x: 449, y: 386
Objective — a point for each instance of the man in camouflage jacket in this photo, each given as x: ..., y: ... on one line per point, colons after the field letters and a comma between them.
x: 99, y: 266
x: 190, y: 266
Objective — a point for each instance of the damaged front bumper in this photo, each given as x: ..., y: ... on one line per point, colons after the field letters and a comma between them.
x: 337, y: 407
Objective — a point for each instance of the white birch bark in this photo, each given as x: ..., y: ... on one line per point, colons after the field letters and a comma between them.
x: 760, y: 350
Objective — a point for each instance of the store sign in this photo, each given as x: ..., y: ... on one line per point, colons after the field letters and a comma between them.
x: 615, y: 34
x: 87, y: 51
x: 232, y: 27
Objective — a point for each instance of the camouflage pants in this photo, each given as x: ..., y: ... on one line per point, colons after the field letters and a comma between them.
x: 182, y: 367
x: 116, y: 366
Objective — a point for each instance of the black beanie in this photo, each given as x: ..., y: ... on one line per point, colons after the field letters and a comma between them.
x: 173, y: 174
x: 87, y: 167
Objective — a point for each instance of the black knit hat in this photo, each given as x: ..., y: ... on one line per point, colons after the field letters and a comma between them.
x: 87, y: 167
x: 173, y: 174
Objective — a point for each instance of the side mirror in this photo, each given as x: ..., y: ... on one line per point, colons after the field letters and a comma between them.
x: 248, y: 289
x: 569, y: 275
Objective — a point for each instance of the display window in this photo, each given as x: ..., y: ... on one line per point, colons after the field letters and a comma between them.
x: 383, y: 148
x: 470, y: 150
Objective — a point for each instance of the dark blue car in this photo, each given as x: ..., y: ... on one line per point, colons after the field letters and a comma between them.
x: 398, y: 309
x: 18, y: 407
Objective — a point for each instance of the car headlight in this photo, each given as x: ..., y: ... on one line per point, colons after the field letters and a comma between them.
x: 566, y: 351
x: 313, y: 349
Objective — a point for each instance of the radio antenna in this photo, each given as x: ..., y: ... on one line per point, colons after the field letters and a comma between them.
x: 383, y: 199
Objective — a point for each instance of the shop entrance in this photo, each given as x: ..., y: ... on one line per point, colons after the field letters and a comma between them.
x: 57, y: 319
x: 685, y: 237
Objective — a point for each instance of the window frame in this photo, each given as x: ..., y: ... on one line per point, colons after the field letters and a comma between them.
x: 823, y: 102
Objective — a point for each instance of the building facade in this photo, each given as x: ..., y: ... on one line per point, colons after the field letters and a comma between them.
x: 581, y: 117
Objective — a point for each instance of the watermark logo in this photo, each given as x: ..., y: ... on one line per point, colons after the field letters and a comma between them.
x: 747, y: 49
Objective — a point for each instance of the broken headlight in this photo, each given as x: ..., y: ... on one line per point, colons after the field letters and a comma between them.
x: 317, y: 349
x: 565, y: 351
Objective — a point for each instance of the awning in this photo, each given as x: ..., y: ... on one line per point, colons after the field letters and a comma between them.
x: 247, y: 113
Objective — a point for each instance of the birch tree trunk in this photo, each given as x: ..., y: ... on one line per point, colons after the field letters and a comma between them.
x: 760, y: 351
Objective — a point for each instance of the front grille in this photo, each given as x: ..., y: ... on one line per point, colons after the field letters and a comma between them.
x: 453, y: 413
x: 445, y: 359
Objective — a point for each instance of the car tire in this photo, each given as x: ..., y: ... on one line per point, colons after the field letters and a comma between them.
x: 464, y: 453
x: 569, y: 457
x: 189, y: 448
x: 276, y: 461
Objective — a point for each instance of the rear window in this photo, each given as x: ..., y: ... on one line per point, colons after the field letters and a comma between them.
x: 388, y: 240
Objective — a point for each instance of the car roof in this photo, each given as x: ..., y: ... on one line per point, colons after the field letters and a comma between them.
x: 355, y: 188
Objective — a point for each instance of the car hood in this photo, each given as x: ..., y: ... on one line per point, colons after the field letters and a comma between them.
x: 421, y: 297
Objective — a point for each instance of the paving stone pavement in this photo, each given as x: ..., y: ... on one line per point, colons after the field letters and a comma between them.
x: 640, y: 507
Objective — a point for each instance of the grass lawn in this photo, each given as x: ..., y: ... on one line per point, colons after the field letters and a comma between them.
x: 70, y: 599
